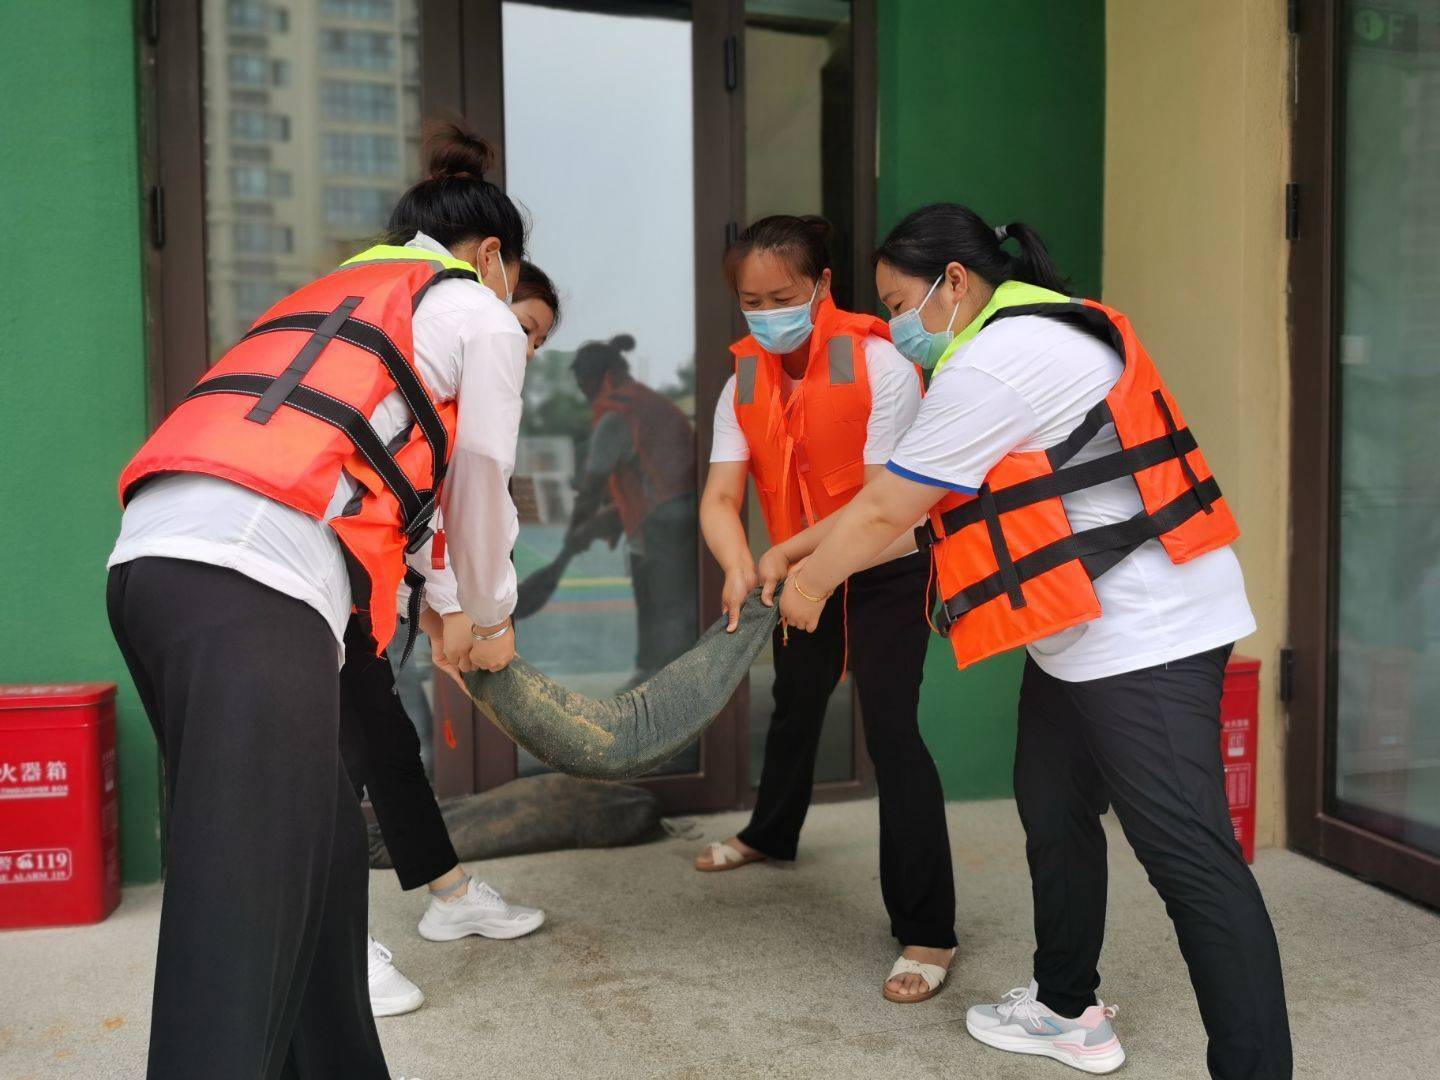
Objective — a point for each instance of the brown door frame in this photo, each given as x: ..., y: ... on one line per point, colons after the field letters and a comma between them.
x: 1314, y: 472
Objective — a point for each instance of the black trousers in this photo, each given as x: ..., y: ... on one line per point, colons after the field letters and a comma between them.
x: 888, y: 639
x: 261, y: 966
x: 382, y: 756
x: 1147, y: 743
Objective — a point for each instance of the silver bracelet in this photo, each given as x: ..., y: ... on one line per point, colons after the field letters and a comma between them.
x: 490, y: 637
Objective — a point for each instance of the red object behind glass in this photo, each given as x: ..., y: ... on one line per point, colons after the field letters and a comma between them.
x: 59, y: 805
x: 1239, y: 746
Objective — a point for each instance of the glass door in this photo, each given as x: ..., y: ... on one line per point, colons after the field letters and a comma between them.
x: 605, y: 479
x: 1364, y: 735
x: 1386, y: 763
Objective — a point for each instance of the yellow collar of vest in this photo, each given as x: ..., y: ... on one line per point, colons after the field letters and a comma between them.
x: 1009, y: 294
x: 398, y: 253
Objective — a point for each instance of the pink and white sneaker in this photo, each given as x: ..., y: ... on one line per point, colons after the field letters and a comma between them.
x: 1022, y: 1025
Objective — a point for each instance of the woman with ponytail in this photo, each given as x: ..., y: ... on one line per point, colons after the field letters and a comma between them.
x: 817, y: 401
x: 299, y: 480
x: 1069, y: 509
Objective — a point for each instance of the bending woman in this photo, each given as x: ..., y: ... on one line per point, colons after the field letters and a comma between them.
x: 285, y: 490
x: 818, y: 399
x: 1071, y: 512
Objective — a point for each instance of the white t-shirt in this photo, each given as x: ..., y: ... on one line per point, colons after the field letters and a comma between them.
x: 894, y: 400
x: 1024, y: 384
x: 468, y: 345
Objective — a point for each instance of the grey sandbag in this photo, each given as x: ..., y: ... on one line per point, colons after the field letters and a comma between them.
x: 551, y: 812
x: 630, y: 734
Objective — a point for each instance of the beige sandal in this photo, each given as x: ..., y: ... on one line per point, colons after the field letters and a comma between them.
x: 722, y: 856
x: 933, y: 974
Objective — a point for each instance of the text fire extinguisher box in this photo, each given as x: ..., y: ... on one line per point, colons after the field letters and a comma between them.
x: 1239, y: 749
x: 59, y: 805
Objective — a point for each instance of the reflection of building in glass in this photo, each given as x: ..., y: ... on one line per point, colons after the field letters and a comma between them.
x: 312, y: 122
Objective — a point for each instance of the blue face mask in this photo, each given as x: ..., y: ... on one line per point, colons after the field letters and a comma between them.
x: 917, y: 344
x: 783, y: 330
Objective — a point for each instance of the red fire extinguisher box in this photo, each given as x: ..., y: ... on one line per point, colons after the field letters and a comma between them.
x: 1239, y: 746
x: 59, y: 805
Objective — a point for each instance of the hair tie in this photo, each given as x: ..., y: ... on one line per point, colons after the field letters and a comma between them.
x: 1002, y: 233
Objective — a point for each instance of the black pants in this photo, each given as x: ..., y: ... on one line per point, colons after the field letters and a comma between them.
x: 382, y: 756
x: 1148, y: 743
x: 261, y: 966
x: 888, y: 639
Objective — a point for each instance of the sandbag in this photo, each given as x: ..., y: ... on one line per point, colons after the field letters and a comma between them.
x: 632, y: 733
x: 551, y: 812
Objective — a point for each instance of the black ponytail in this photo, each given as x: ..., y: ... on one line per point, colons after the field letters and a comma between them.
x: 931, y: 238
x: 455, y: 202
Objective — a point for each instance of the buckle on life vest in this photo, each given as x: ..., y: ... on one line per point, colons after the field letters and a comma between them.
x: 924, y: 537
x: 943, y: 619
x: 418, y: 529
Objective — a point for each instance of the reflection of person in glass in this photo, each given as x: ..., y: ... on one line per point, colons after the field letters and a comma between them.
x: 269, y: 504
x: 817, y: 402
x: 640, y: 466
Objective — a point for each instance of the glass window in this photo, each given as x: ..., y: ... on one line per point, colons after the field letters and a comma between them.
x: 361, y: 50
x: 605, y: 476
x: 247, y: 69
x: 250, y: 181
x: 1387, y: 730
x: 360, y: 155
x: 357, y: 206
x: 360, y: 102
x: 280, y: 72
x: 375, y: 10
x: 263, y: 238
x: 245, y: 14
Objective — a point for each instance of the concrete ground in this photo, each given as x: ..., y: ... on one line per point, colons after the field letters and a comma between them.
x: 647, y: 968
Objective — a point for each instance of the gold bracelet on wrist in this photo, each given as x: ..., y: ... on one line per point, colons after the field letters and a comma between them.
x: 795, y: 581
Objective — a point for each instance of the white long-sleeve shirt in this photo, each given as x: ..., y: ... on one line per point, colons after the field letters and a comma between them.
x: 468, y: 346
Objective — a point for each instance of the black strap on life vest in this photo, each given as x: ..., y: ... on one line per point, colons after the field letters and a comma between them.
x: 288, y: 390
x: 360, y: 596
x: 1099, y: 549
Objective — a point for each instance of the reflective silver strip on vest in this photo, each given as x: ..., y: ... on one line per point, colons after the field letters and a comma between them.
x: 842, y: 360
x: 745, y: 379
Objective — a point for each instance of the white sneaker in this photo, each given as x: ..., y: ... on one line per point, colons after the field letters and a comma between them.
x: 481, y: 910
x: 391, y: 993
x: 1022, y: 1025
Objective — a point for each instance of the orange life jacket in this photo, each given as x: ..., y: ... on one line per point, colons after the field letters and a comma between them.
x: 807, y: 454
x: 664, y: 441
x: 286, y: 411
x: 1009, y: 567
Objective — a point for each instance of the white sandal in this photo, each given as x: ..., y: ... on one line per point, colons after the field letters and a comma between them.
x: 933, y: 974
x: 724, y: 856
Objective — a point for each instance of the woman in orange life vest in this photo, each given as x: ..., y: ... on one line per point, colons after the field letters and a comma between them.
x: 385, y: 755
x: 641, y: 458
x: 284, y: 491
x: 817, y: 400
x: 1071, y: 511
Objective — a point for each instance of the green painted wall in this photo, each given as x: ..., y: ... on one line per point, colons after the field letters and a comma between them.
x: 73, y: 352
x: 1000, y: 106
